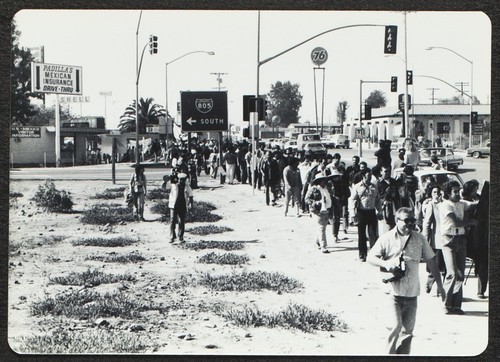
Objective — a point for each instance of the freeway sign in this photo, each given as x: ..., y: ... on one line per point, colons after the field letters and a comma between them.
x: 204, y: 111
x: 56, y: 78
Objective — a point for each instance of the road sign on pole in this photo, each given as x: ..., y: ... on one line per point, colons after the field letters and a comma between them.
x: 204, y: 111
x: 56, y: 78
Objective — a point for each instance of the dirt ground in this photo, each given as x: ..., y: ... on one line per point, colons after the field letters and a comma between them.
x: 336, y: 282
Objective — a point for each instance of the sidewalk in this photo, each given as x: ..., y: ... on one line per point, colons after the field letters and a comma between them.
x: 338, y: 282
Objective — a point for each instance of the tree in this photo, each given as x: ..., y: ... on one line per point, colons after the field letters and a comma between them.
x: 342, y: 112
x: 376, y: 99
x: 149, y: 113
x: 20, y: 85
x: 285, y: 101
x: 457, y: 100
x: 46, y: 116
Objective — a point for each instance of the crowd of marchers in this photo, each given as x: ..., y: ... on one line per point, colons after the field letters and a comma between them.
x: 399, y: 221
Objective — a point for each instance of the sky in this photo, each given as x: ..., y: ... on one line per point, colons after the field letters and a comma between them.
x: 103, y: 43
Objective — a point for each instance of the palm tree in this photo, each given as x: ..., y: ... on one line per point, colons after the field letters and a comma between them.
x: 376, y: 99
x: 148, y: 112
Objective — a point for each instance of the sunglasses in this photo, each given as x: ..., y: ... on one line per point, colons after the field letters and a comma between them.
x: 409, y: 220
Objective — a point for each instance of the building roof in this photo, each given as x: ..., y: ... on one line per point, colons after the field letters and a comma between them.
x: 434, y: 110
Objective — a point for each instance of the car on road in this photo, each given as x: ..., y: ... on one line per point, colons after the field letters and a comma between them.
x: 438, y: 176
x: 317, y: 149
x: 302, y: 139
x: 478, y: 152
x: 336, y: 140
x: 449, y: 158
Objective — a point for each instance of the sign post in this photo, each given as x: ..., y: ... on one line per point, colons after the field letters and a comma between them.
x: 57, y: 79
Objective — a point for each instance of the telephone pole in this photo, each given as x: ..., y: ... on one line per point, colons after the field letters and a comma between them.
x: 432, y: 92
x: 219, y: 79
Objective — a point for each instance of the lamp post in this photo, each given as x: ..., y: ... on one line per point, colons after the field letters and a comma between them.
x: 166, y: 80
x: 471, y: 87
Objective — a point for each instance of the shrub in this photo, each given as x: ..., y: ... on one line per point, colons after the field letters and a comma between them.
x: 88, y: 304
x: 223, y: 259
x: 250, y: 281
x: 84, y: 342
x: 90, y: 278
x: 103, y: 242
x: 103, y: 214
x: 158, y: 194
x: 202, y: 212
x: 15, y: 194
x: 293, y: 316
x: 161, y: 207
x: 212, y: 244
x: 208, y: 229
x: 110, y: 194
x: 133, y: 257
x: 51, y: 199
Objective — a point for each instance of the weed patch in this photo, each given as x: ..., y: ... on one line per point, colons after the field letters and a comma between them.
x: 208, y: 229
x: 87, y: 304
x: 103, y: 242
x: 292, y: 316
x: 85, y: 342
x: 15, y: 194
x: 51, y: 199
x: 103, y: 214
x: 224, y: 259
x: 202, y: 212
x: 212, y: 244
x: 250, y: 281
x: 158, y: 194
x: 133, y: 257
x: 110, y: 194
x: 91, y: 278
x: 161, y: 207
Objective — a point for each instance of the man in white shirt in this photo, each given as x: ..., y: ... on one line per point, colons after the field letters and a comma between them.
x: 401, y: 248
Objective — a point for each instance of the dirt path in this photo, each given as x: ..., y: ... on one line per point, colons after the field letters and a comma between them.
x: 336, y: 282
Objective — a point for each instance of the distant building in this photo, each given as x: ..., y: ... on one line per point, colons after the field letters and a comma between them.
x: 447, y: 121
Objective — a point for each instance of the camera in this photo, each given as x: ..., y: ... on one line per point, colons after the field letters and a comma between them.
x: 397, y: 274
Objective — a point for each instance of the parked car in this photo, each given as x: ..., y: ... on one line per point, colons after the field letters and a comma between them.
x: 291, y: 144
x: 439, y: 176
x: 328, y: 142
x: 450, y: 160
x: 317, y: 149
x: 302, y: 139
x: 478, y: 152
x: 341, y: 140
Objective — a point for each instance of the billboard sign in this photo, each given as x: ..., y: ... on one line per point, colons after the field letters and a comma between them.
x: 56, y: 78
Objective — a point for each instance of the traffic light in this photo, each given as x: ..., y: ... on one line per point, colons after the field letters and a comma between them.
x: 249, y: 106
x: 153, y: 44
x: 473, y: 118
x: 368, y: 111
x: 246, y: 132
x: 409, y: 77
x: 390, y: 40
x: 394, y: 84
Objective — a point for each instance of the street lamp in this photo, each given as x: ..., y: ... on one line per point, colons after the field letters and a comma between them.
x: 166, y: 80
x: 471, y: 88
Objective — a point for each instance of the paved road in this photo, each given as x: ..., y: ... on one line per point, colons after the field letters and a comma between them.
x: 471, y: 169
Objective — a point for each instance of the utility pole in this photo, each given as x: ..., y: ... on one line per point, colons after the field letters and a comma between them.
x: 219, y: 79
x: 432, y: 92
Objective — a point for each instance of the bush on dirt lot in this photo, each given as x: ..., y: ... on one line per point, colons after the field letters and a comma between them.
x: 51, y: 199
x: 103, y: 214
